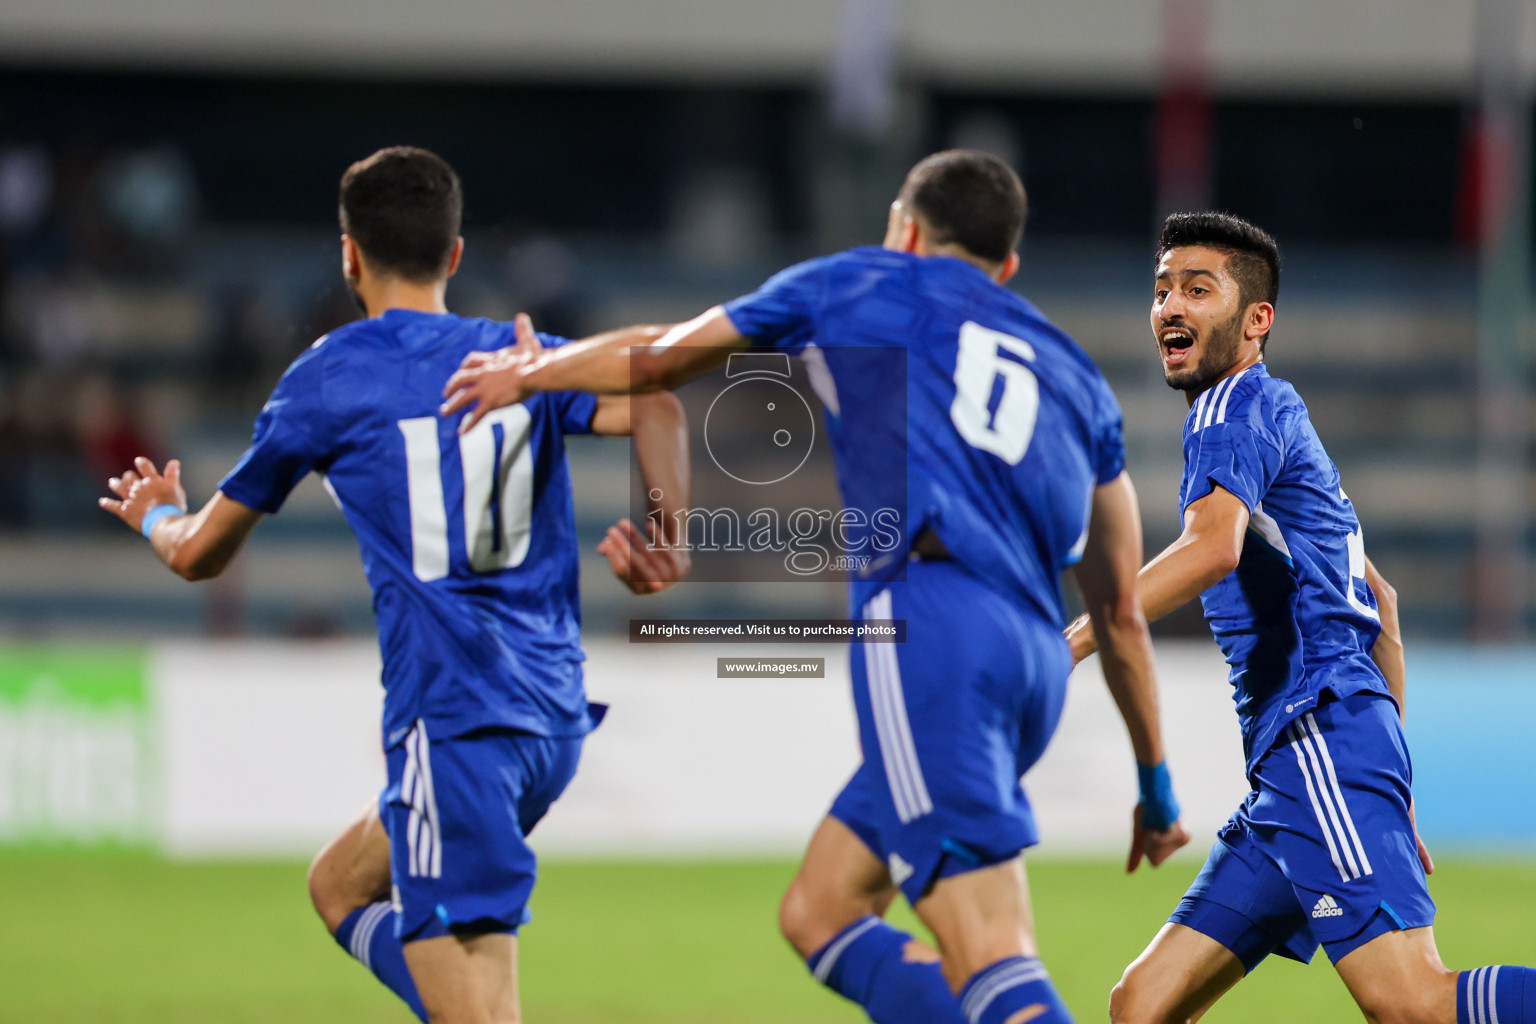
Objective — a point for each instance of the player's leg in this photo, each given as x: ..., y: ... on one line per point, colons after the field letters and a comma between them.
x: 951, y: 728
x: 985, y: 928
x: 1176, y: 979
x: 458, y: 812
x: 1347, y: 839
x: 840, y: 881
x: 832, y: 914
x: 349, y: 886
x: 1398, y: 978
x: 1239, y: 910
x: 467, y: 979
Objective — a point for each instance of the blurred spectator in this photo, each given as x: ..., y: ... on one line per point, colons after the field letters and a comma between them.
x: 150, y: 196
x: 26, y: 189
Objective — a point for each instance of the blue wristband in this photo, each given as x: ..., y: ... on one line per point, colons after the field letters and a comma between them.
x: 1159, y: 807
x: 154, y: 515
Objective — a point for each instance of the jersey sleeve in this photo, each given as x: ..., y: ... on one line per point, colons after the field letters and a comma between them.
x: 1242, y: 455
x: 1109, y: 437
x: 575, y: 409
x: 782, y: 313
x: 292, y: 437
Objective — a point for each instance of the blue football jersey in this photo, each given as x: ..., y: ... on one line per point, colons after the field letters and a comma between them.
x: 1006, y: 429
x: 469, y: 543
x: 1296, y: 619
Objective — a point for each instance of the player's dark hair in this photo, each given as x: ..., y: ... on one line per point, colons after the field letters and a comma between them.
x: 970, y: 199
x: 1253, y: 258
x: 402, y: 206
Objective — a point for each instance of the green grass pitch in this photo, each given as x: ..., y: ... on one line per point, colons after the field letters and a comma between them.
x: 113, y: 938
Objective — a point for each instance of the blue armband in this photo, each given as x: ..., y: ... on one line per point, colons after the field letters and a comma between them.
x: 1159, y: 807
x: 154, y: 515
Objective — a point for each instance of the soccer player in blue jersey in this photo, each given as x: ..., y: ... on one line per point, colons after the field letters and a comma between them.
x: 468, y: 540
x: 1324, y: 849
x: 1009, y: 443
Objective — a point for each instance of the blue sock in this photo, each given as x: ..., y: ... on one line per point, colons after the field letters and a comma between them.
x: 368, y: 934
x: 866, y: 962
x: 1503, y: 994
x: 1009, y: 990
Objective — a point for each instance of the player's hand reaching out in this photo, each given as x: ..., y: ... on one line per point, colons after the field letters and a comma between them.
x: 490, y: 380
x: 1156, y: 845
x: 639, y: 563
x: 142, y: 488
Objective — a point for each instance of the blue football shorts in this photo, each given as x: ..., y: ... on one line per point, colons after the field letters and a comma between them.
x: 458, y: 812
x: 1322, y: 850
x: 948, y: 722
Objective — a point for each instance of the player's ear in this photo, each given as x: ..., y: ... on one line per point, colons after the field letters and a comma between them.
x: 912, y: 239
x: 1009, y: 267
x: 351, y: 263
x: 455, y: 256
x: 1261, y: 317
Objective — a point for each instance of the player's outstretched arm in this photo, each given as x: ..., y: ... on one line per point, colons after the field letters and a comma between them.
x: 196, y: 546
x: 652, y: 561
x: 634, y: 360
x: 1205, y: 553
x: 1107, y: 577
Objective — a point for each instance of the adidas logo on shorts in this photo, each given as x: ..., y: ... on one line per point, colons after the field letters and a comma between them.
x: 1326, y: 907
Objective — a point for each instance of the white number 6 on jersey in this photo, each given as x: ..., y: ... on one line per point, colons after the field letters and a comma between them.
x: 978, y: 364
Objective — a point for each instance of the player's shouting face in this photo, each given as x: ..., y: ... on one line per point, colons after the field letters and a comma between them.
x: 1203, y: 326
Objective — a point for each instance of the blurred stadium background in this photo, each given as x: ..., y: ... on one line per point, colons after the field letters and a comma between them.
x: 170, y: 754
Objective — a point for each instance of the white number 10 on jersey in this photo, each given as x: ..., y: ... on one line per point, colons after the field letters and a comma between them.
x: 978, y: 365
x: 498, y: 492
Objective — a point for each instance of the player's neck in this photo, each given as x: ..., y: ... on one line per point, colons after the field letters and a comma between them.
x: 1238, y: 367
x: 393, y: 293
x: 992, y: 270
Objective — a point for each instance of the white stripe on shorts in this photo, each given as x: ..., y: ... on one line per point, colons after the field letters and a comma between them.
x: 423, y: 836
x: 1353, y: 836
x: 1294, y: 735
x: 903, y: 773
x: 1327, y: 797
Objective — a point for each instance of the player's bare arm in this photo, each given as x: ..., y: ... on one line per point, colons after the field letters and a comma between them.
x: 1388, y: 651
x: 628, y: 360
x: 1205, y: 553
x: 195, y: 546
x: 645, y: 562
x: 1107, y: 577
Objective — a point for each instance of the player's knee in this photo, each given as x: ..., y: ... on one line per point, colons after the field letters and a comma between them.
x: 1133, y: 1002
x: 329, y: 902
x: 798, y: 919
x: 810, y: 918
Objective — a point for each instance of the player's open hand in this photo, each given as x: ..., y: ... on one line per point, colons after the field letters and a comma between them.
x: 639, y: 562
x: 1154, y: 845
x: 490, y: 380
x: 142, y: 488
